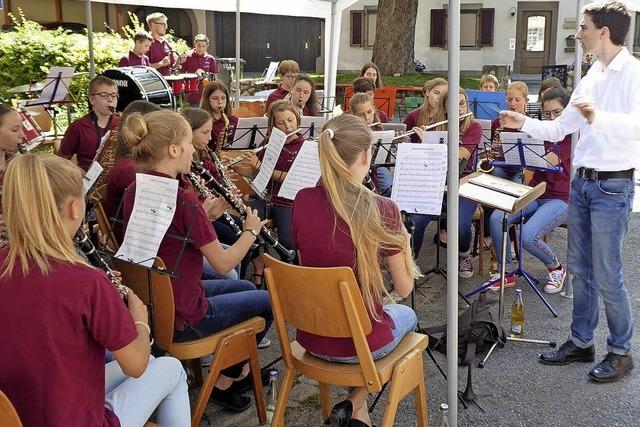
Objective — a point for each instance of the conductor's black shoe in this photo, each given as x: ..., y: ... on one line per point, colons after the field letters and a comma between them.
x: 340, y: 414
x: 230, y: 399
x: 612, y: 368
x: 568, y: 353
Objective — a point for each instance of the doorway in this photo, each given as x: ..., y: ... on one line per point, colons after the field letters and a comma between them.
x: 536, y: 31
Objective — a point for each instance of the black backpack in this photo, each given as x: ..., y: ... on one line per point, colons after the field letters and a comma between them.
x: 478, y: 329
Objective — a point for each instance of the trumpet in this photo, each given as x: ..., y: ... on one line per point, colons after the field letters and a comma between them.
x: 431, y: 126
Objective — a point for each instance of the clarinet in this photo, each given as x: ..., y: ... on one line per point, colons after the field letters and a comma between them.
x: 205, y: 192
x: 87, y: 247
x: 236, y: 203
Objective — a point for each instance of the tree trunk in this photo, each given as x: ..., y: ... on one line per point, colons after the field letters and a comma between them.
x: 395, y: 36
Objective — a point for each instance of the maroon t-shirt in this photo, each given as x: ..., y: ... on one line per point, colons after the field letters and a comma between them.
x: 189, y: 220
x: 324, y: 240
x: 218, y: 127
x: 470, y: 140
x: 383, y: 116
x: 157, y: 51
x: 285, y: 160
x: 195, y: 62
x: 557, y: 182
x: 276, y: 95
x: 56, y: 329
x: 412, y: 121
x: 121, y: 176
x: 132, y: 59
x: 82, y: 139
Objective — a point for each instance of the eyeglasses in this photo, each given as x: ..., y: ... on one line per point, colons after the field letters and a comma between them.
x: 164, y: 24
x: 106, y: 95
x: 553, y: 113
x: 462, y: 104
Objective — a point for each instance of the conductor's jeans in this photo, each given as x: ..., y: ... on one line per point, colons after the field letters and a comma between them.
x: 598, y: 221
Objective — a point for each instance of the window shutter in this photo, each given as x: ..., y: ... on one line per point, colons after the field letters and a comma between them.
x: 357, y: 27
x: 486, y: 26
x: 438, y: 27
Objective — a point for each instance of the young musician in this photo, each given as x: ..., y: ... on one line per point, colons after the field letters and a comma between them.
x: 365, y: 85
x: 79, y: 316
x: 287, y: 70
x: 602, y: 189
x: 303, y: 95
x: 11, y: 134
x: 162, y: 142
x: 215, y: 101
x: 160, y: 56
x: 284, y: 116
x: 198, y: 61
x: 367, y: 234
x: 138, y: 55
x: 371, y: 72
x: 489, y: 83
x: 426, y: 113
x: 470, y: 135
x: 84, y: 136
x: 546, y: 213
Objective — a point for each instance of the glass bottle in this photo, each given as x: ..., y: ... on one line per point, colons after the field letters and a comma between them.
x: 443, y: 416
x: 272, y: 395
x: 517, y: 316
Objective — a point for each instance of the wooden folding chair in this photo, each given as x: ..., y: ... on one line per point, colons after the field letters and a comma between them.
x: 327, y: 302
x: 104, y: 225
x: 478, y: 240
x: 234, y: 345
x: 8, y: 415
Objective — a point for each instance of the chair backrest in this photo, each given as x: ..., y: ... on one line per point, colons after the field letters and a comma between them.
x: 8, y: 415
x: 254, y: 107
x: 242, y: 112
x: 321, y: 301
x: 104, y: 225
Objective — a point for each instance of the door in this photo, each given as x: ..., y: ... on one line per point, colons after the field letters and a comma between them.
x: 535, y: 36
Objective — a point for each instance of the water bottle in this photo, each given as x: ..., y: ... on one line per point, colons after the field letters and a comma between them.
x: 517, y: 316
x: 443, y: 416
x: 272, y: 395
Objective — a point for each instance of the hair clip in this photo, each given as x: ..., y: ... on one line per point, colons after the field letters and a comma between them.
x: 331, y: 134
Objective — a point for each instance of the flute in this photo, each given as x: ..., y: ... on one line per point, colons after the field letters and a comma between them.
x: 431, y: 126
x: 242, y: 157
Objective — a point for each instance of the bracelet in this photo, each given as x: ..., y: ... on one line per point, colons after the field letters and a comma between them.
x: 139, y: 322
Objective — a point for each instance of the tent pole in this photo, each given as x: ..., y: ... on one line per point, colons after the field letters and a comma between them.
x: 236, y: 100
x: 89, y: 19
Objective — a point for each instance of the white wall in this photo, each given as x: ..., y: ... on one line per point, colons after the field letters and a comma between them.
x: 351, y: 58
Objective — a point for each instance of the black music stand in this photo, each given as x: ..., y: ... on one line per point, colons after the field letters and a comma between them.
x: 58, y: 82
x: 254, y: 133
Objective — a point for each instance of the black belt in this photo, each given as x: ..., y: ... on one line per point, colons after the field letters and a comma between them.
x: 594, y: 175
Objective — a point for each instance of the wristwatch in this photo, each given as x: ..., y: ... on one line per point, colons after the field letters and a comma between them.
x: 252, y: 231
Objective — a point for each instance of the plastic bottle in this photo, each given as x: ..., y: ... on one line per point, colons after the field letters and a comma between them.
x: 272, y: 395
x: 443, y: 416
x: 517, y: 316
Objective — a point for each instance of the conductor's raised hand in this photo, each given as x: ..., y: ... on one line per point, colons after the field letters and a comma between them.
x: 587, y: 107
x: 511, y: 119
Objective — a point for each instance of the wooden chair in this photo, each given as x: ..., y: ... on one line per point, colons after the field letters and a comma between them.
x: 104, y: 225
x: 234, y: 345
x: 242, y: 112
x: 306, y: 298
x: 255, y: 107
x: 478, y: 240
x: 8, y: 415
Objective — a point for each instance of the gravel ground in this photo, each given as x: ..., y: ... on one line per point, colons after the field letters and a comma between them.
x: 519, y: 390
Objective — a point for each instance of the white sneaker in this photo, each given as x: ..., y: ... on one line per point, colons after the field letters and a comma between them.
x: 555, y: 280
x: 465, y: 268
x: 266, y: 342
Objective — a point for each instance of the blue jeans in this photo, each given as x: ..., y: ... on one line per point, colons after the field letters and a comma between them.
x: 599, y: 212
x: 466, y: 209
x: 514, y: 175
x: 404, y: 321
x: 284, y: 223
x: 542, y: 216
x: 384, y: 181
x: 163, y: 386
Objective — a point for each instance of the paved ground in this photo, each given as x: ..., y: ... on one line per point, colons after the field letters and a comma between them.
x: 522, y: 392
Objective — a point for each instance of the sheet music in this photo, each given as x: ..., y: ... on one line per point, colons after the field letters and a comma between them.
x: 304, y: 172
x: 419, y: 178
x: 318, y: 123
x: 386, y: 138
x: 501, y: 185
x: 486, y: 196
x: 55, y: 89
x: 533, y: 150
x: 91, y: 176
x: 435, y: 137
x: 153, y: 210
x: 271, y: 154
x: 248, y: 129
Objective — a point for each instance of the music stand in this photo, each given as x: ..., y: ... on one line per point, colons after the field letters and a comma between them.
x: 486, y: 105
x: 508, y: 197
x: 248, y: 133
x: 55, y: 91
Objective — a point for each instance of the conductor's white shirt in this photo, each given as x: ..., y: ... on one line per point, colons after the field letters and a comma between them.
x: 612, y: 141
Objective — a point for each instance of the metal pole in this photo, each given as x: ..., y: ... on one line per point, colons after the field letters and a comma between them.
x: 329, y: 78
x: 453, y: 135
x: 89, y: 18
x: 236, y: 101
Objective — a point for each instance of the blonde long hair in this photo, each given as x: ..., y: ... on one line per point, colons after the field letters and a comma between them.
x: 442, y: 113
x: 357, y: 206
x: 35, y: 188
x: 425, y: 109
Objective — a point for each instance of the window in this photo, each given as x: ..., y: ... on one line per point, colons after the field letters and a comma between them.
x: 371, y: 18
x: 477, y: 24
x: 363, y: 27
x: 535, y: 33
x: 357, y: 30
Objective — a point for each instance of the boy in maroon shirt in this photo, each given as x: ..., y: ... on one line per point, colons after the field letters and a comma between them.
x: 85, y: 135
x: 160, y: 56
x: 137, y: 56
x: 198, y: 61
x: 288, y: 70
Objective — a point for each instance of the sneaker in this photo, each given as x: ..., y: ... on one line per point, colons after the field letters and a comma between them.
x: 266, y: 342
x: 555, y: 280
x: 509, y: 281
x: 465, y: 269
x: 230, y: 399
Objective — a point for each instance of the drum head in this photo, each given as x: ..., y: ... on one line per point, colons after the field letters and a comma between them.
x: 140, y: 83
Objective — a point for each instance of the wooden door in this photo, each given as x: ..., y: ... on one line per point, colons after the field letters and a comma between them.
x: 535, y: 40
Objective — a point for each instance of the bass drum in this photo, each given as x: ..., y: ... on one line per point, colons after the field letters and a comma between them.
x: 141, y: 83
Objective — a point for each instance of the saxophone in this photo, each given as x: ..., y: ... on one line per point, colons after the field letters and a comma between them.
x: 493, y: 152
x: 224, y: 133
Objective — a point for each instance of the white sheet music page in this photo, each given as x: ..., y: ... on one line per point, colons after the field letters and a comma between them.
x: 435, y: 137
x: 534, y: 152
x: 244, y: 131
x: 386, y: 139
x: 419, y: 178
x: 153, y: 210
x: 271, y: 154
x: 91, y: 176
x: 304, y: 172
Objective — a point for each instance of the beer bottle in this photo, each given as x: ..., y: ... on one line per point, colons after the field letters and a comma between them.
x: 272, y: 395
x: 443, y: 416
x: 517, y: 316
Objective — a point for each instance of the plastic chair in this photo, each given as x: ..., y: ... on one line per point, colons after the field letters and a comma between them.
x: 231, y: 346
x: 306, y: 298
x: 8, y: 415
